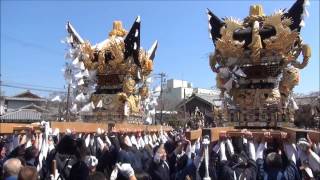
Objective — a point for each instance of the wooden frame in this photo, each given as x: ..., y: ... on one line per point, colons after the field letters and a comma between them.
x: 83, y: 127
x: 8, y: 128
x: 214, y: 133
x: 193, y: 135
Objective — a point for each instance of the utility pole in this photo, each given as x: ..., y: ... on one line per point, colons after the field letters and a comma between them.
x: 184, y: 104
x: 162, y: 75
x: 162, y: 79
x: 67, y: 109
x: 68, y: 97
x: 1, y: 95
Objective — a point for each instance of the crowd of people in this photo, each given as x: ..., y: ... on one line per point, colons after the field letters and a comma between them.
x: 160, y: 156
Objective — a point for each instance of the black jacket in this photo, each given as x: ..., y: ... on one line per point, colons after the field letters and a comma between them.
x: 159, y: 171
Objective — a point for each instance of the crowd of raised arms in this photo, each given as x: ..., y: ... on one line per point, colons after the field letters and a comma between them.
x: 160, y: 156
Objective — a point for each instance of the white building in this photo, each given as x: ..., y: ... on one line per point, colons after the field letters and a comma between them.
x: 177, y: 90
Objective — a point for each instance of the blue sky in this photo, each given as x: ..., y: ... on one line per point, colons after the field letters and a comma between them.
x: 31, y: 31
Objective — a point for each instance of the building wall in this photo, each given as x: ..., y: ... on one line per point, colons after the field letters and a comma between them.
x: 205, y: 91
x: 173, y: 96
x: 174, y: 83
x: 14, y: 104
x: 177, y: 90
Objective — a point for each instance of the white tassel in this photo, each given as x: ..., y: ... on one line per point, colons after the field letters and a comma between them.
x: 134, y: 141
x: 229, y: 146
x: 82, y: 66
x: 86, y: 73
x: 79, y: 75
x: 80, y: 82
x: 135, y: 46
x: 307, y: 3
x: 87, y: 140
x: 138, y: 20
x: 100, y: 142
x: 80, y: 97
x: 138, y: 74
x: 305, y: 13
x: 302, y: 23
x: 126, y: 109
x: 127, y: 141
x: 154, y: 138
x: 75, y: 61
x: 114, y: 174
x: 108, y: 141
x: 309, y: 172
x: 99, y: 105
x: 141, y: 142
x: 74, y: 108
x: 29, y: 144
x: 240, y: 73
x: 149, y: 80
x: 295, y: 106
x: 146, y: 139
x: 88, y: 107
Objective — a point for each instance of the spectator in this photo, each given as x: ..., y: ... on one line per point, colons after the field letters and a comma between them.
x: 11, y: 169
x: 122, y: 156
x: 97, y: 176
x: 80, y: 170
x: 28, y: 173
x: 274, y: 167
x: 91, y: 162
x: 3, y: 156
x: 159, y: 169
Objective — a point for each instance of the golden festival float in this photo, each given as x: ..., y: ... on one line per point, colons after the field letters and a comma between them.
x: 256, y: 61
x: 107, y: 85
x: 109, y: 80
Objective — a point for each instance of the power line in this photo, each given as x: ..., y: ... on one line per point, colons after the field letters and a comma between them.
x: 30, y: 88
x: 30, y: 85
x: 30, y: 44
